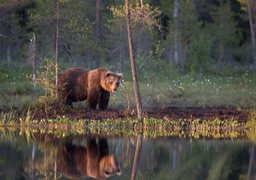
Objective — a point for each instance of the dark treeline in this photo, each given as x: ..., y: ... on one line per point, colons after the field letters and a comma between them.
x: 189, y: 35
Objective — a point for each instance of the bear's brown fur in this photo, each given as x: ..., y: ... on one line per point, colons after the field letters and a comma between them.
x: 94, y: 86
x: 94, y: 161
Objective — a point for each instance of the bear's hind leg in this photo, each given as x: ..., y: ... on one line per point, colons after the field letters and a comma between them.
x: 69, y: 101
x: 104, y: 99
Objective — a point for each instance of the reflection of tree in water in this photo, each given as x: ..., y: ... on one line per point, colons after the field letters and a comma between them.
x: 181, y: 158
x: 185, y: 159
x: 196, y: 160
x: 159, y: 158
x: 251, y: 165
x: 12, y: 161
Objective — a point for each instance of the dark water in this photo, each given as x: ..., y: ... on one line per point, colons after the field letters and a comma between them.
x: 48, y: 156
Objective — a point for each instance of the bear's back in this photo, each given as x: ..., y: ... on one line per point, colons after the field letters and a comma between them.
x: 72, y: 82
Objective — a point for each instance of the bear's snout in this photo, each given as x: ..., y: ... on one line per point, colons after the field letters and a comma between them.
x: 117, y: 85
x: 114, y: 88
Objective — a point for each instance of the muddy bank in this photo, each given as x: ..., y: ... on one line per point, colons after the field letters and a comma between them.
x: 166, y: 113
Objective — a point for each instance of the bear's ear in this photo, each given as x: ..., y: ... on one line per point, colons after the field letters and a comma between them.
x: 120, y: 75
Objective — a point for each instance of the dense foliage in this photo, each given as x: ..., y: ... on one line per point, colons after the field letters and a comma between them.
x: 194, y: 36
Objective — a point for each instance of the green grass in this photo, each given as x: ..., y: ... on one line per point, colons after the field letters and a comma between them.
x: 18, y: 100
x: 193, y: 91
x: 236, y: 90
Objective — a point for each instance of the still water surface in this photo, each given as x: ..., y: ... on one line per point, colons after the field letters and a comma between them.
x: 46, y: 156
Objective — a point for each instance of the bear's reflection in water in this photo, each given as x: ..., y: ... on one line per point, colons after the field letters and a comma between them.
x: 92, y: 161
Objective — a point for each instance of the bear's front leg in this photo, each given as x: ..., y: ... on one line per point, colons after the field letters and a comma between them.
x: 104, y: 99
x: 92, y: 99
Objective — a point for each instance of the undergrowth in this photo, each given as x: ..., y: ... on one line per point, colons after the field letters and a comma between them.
x: 62, y: 126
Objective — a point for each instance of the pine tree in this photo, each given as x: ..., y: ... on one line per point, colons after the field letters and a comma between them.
x: 225, y: 32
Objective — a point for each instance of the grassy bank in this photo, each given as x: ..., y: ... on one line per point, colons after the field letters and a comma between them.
x: 195, y: 91
x: 154, y: 128
x: 236, y: 89
x: 19, y: 102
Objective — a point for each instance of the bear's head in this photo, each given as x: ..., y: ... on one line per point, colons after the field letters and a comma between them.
x: 109, y: 166
x: 111, y: 81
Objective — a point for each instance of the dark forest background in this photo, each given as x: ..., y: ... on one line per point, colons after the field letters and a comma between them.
x: 188, y: 36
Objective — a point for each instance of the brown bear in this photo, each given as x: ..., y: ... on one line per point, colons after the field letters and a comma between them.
x: 94, y: 86
x: 94, y: 160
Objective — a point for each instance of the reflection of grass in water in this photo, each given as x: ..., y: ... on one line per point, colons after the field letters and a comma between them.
x: 8, y: 118
x: 8, y: 134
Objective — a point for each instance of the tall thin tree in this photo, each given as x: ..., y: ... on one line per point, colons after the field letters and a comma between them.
x: 32, y: 58
x: 96, y: 63
x: 176, y: 55
x: 252, y: 27
x: 132, y: 61
x: 57, y: 47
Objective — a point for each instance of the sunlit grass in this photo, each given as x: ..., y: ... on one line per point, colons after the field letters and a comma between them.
x: 18, y: 100
x: 183, y: 128
x: 190, y: 91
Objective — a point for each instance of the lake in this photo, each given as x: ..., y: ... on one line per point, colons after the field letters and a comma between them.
x: 40, y: 155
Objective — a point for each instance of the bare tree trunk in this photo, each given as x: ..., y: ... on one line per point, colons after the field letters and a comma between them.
x: 121, y: 47
x: 57, y: 47
x: 121, y: 58
x: 133, y: 67
x: 252, y: 28
x: 176, y: 54
x: 9, y: 59
x: 141, y: 2
x: 136, y: 157
x: 97, y: 31
x: 98, y: 2
x: 221, y: 54
x: 222, y: 45
x: 34, y: 62
x: 32, y: 58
